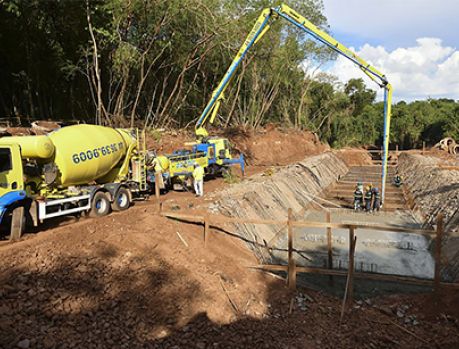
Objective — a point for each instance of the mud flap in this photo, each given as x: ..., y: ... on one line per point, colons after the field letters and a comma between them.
x: 17, y: 223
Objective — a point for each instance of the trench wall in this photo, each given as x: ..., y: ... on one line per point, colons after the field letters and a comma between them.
x: 435, y: 190
x: 265, y: 196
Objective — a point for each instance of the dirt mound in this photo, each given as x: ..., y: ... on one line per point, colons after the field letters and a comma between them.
x: 354, y: 157
x: 277, y: 147
x: 36, y: 128
x: 167, y: 141
x: 124, y: 280
x: 129, y: 281
x: 137, y: 280
x: 265, y: 147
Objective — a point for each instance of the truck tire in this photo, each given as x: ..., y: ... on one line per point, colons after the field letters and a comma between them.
x: 121, y: 201
x: 100, y: 205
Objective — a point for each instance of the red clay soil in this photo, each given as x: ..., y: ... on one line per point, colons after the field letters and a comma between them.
x: 264, y: 147
x: 354, y: 157
x: 138, y: 280
x: 276, y: 147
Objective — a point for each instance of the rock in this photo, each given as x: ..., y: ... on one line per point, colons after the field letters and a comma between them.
x: 24, y: 344
x: 386, y: 310
x: 49, y: 343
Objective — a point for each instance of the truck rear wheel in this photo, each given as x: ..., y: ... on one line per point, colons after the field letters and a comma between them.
x: 100, y: 205
x: 121, y: 200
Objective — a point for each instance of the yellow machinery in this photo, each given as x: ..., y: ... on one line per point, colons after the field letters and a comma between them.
x: 261, y: 26
x: 74, y: 169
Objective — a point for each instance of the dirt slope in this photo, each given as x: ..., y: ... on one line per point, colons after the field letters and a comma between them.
x: 264, y: 147
x: 128, y: 281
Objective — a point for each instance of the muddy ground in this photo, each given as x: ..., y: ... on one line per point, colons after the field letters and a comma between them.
x: 138, y: 280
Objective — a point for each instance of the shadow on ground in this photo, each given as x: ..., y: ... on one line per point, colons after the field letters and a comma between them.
x: 106, y: 298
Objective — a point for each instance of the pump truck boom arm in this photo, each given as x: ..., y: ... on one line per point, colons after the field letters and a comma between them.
x: 262, y: 25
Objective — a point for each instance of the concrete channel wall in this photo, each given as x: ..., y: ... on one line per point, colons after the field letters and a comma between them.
x: 436, y: 190
x: 268, y: 196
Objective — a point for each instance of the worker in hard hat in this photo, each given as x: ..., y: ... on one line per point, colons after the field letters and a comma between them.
x: 376, y: 199
x: 368, y: 198
x: 398, y: 180
x: 198, y: 180
x: 358, y: 198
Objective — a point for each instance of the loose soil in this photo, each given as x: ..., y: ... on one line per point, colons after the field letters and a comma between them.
x: 138, y: 280
x: 264, y: 147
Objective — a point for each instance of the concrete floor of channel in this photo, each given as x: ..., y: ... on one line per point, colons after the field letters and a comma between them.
x: 384, y: 252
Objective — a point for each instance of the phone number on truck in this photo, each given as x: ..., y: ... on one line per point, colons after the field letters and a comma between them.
x: 97, y: 152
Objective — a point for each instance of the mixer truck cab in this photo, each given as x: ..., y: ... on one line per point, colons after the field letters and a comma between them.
x: 76, y: 169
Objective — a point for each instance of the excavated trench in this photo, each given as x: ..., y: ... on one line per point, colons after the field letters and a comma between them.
x: 321, y: 183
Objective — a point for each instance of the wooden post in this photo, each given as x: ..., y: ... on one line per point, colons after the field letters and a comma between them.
x: 291, y: 260
x: 423, y: 147
x: 157, y: 190
x: 352, y: 243
x: 16, y: 224
x: 206, y: 229
x: 438, y: 242
x: 349, y: 289
x: 329, y: 246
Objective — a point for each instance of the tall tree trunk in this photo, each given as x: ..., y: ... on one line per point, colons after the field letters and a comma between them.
x: 96, y: 67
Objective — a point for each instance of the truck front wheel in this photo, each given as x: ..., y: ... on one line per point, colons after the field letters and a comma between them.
x: 121, y: 200
x: 100, y: 205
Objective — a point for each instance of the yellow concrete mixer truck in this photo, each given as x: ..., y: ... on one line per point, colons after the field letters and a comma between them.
x: 80, y: 168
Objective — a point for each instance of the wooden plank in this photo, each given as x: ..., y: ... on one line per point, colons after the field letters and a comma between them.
x: 305, y: 224
x: 329, y: 246
x: 363, y: 226
x: 438, y: 243
x: 349, y: 290
x: 158, y: 191
x: 223, y: 219
x: 291, y: 260
x: 352, y: 243
x: 358, y: 275
x: 189, y: 217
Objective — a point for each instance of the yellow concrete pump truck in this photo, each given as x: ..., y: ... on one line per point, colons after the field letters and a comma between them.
x: 80, y: 168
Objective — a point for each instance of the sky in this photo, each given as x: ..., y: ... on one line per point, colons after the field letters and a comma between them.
x: 414, y: 42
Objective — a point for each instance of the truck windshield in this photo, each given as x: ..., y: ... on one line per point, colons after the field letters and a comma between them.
x: 5, y: 160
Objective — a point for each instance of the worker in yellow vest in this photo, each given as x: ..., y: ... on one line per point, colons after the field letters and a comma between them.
x: 198, y: 177
x: 158, y: 173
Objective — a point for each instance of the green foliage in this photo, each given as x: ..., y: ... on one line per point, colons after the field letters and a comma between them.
x: 159, y: 62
